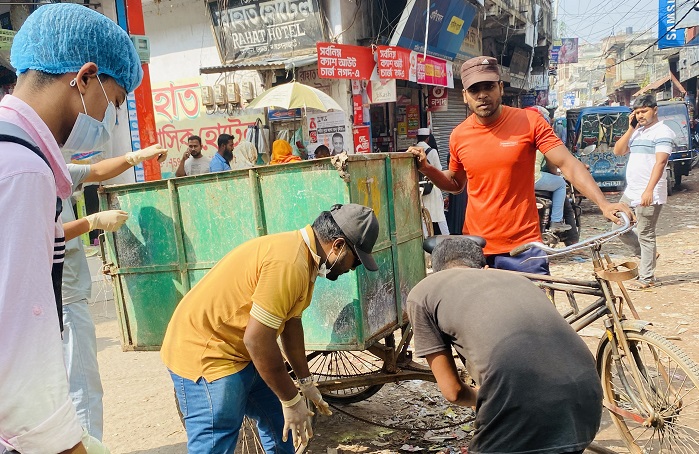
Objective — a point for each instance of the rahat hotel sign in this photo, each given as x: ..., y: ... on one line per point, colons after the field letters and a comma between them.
x: 249, y: 30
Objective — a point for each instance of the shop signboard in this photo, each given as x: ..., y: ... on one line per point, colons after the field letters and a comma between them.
x: 668, y: 36
x: 357, y: 109
x: 256, y: 30
x: 399, y: 63
x: 284, y: 114
x: 437, y: 99
x: 179, y: 113
x: 449, y: 21
x: 553, y: 54
x: 412, y: 114
x: 329, y: 129
x: 362, y: 139
x: 382, y: 91
x: 340, y: 61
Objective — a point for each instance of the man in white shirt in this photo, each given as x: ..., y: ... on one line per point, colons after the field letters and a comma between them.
x: 650, y: 143
x: 193, y: 161
x: 433, y: 201
x: 75, y: 67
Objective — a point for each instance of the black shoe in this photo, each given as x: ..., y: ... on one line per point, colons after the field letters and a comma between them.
x: 559, y: 227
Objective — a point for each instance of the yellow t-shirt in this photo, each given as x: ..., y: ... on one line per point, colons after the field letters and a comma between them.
x: 205, y: 335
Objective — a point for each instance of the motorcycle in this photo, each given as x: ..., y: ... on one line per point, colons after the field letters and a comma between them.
x: 571, y: 216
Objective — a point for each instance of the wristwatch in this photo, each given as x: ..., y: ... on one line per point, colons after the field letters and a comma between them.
x: 306, y: 381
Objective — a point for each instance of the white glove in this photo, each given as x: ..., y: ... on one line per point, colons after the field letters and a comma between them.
x: 107, y: 220
x: 93, y: 445
x: 310, y: 391
x: 297, y: 418
x: 137, y: 157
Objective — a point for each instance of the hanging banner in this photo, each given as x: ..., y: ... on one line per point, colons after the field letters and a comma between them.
x: 437, y: 99
x: 382, y: 91
x: 667, y: 19
x: 329, y: 129
x: 284, y: 114
x: 362, y: 139
x: 254, y: 30
x: 568, y: 52
x: 449, y: 21
x: 357, y: 109
x: 412, y: 114
x: 340, y: 61
x: 399, y: 63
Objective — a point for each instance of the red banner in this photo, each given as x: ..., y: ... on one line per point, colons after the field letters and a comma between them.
x: 437, y: 99
x: 362, y: 139
x: 357, y: 107
x: 398, y: 63
x: 340, y: 61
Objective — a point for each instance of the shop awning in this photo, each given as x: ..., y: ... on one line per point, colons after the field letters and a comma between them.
x: 269, y: 64
x: 660, y: 82
x: 653, y: 86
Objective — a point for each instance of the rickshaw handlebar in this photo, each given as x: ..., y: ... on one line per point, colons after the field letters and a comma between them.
x: 585, y: 243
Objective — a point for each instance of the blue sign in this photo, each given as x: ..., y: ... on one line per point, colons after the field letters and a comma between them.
x: 554, y: 54
x: 284, y: 114
x: 449, y: 21
x: 568, y: 100
x: 667, y: 20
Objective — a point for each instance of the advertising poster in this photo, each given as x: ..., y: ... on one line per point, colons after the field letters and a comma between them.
x: 412, y: 114
x: 437, y: 99
x: 382, y: 91
x: 542, y: 98
x: 568, y: 53
x: 255, y: 30
x: 399, y: 63
x: 362, y: 139
x: 340, y: 61
x: 329, y: 129
x: 449, y: 21
x: 179, y: 113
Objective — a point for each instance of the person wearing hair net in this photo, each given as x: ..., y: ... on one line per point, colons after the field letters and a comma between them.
x: 74, y: 69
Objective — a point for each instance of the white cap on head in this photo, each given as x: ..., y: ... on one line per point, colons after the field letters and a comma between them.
x: 423, y: 132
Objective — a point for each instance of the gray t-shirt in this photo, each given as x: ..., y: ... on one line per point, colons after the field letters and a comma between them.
x: 540, y: 392
x: 77, y: 282
x: 196, y: 166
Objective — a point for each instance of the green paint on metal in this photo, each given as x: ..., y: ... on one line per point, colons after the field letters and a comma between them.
x: 179, y: 229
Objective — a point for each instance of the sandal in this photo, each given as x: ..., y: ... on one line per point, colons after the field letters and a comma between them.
x: 637, y: 285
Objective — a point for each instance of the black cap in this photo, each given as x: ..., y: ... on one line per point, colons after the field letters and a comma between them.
x: 361, y: 228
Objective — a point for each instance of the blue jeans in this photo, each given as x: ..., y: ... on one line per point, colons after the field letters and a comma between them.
x: 213, y: 412
x: 506, y: 262
x: 557, y: 185
x: 80, y: 356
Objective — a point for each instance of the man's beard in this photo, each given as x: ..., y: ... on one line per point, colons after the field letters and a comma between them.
x: 489, y: 113
x: 228, y: 155
x: 195, y: 154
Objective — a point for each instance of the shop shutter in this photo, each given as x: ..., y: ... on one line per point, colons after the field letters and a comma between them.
x: 443, y: 123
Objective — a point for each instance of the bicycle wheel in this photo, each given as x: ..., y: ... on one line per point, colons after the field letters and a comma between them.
x: 670, y: 381
x: 345, y: 364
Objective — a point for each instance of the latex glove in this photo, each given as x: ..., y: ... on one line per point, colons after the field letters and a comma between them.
x: 297, y: 418
x: 137, y: 157
x: 93, y: 445
x: 109, y: 220
x: 310, y: 391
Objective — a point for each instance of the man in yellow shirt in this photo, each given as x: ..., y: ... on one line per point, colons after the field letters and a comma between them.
x: 221, y: 343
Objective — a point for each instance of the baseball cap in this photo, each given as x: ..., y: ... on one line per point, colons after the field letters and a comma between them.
x: 361, y: 228
x: 479, y: 69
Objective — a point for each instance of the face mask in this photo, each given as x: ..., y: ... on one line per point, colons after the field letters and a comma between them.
x: 89, y: 134
x: 323, y: 270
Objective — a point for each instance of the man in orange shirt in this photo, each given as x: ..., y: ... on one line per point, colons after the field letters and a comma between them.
x: 494, y: 151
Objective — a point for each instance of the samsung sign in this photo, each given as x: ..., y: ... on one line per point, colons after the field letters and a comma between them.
x: 667, y: 20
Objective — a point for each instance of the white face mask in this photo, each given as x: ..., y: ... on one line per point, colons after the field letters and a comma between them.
x: 323, y: 270
x: 89, y: 134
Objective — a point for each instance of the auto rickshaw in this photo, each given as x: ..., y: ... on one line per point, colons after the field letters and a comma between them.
x: 675, y: 115
x: 592, y: 133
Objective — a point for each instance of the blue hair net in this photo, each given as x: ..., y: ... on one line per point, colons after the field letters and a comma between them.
x: 61, y: 38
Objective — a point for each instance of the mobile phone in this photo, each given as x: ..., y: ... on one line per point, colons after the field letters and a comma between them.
x: 634, y: 122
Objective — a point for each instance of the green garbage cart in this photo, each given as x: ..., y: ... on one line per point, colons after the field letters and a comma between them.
x: 179, y: 228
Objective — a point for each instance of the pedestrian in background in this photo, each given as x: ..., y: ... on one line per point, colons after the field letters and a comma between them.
x: 221, y: 160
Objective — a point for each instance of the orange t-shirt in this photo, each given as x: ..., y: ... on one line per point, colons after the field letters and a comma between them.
x: 499, y: 164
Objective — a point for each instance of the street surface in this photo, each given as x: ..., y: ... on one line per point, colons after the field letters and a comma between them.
x: 140, y: 415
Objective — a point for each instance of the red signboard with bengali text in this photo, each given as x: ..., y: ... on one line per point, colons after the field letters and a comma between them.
x: 398, y: 63
x: 358, y: 108
x: 362, y: 139
x: 437, y: 99
x: 393, y: 62
x: 340, y: 61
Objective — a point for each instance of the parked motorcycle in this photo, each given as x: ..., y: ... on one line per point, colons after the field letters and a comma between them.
x: 571, y: 216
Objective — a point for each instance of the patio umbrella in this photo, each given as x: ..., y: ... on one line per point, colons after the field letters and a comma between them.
x: 294, y: 95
